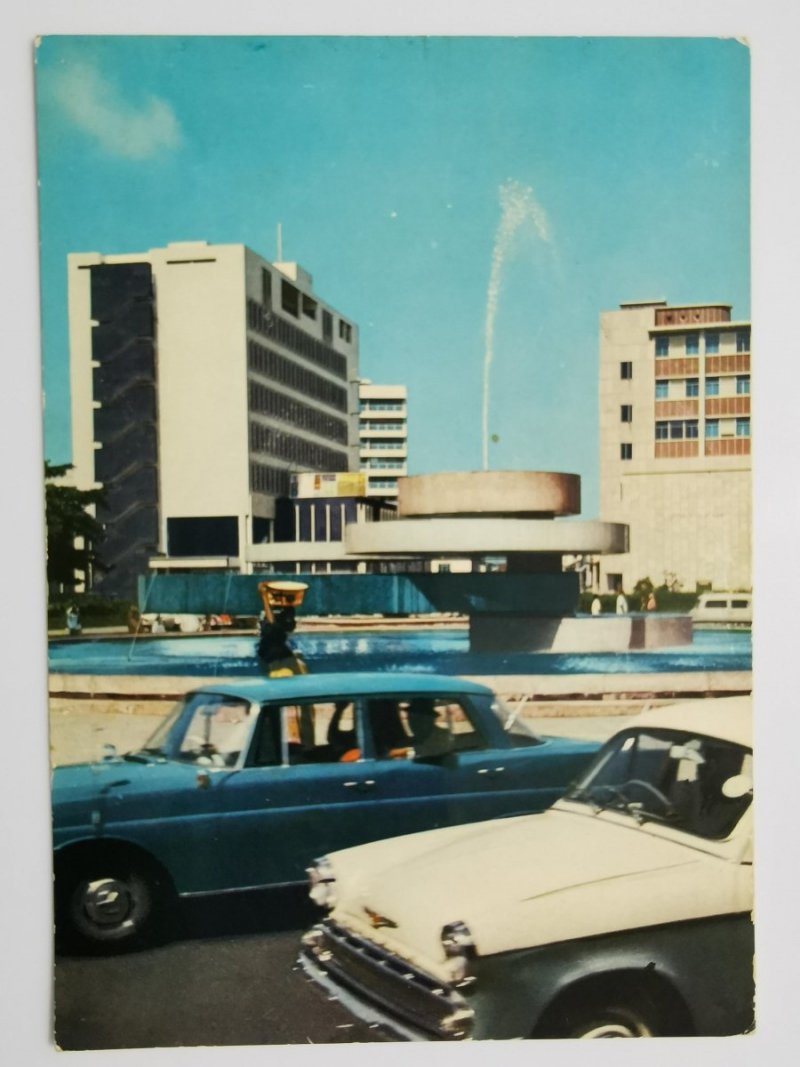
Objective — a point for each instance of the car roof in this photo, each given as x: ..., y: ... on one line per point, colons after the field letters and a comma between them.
x: 728, y: 718
x: 342, y: 683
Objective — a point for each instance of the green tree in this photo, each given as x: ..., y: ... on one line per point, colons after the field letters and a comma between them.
x: 68, y: 519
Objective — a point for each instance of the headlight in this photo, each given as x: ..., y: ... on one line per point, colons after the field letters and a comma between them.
x: 322, y: 883
x: 459, y: 948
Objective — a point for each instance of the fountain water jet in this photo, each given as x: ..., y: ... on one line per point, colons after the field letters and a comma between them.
x: 519, y: 208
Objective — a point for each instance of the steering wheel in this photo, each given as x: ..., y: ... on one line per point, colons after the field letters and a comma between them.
x: 648, y: 787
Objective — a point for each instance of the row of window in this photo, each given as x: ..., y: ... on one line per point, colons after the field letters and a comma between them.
x: 394, y: 445
x: 382, y: 405
x: 269, y: 363
x: 264, y: 479
x: 267, y: 402
x: 380, y: 464
x: 323, y: 520
x: 296, y: 450
x: 691, y: 343
x: 371, y: 427
x: 294, y: 302
x: 687, y: 430
x: 678, y: 429
x: 692, y: 387
x: 742, y: 427
x: 263, y: 321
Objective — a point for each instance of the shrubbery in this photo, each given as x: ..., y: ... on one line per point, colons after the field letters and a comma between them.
x: 94, y: 611
x: 666, y: 600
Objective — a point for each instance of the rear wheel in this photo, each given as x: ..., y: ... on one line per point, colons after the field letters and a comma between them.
x: 107, y: 905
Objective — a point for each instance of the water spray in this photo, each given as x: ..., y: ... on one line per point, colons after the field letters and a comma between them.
x: 518, y: 208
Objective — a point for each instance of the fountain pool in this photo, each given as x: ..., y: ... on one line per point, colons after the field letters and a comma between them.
x: 442, y: 651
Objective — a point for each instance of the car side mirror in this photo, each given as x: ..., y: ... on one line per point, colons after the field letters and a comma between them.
x: 109, y: 752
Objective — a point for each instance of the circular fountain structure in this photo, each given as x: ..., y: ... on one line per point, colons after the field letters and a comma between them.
x: 527, y: 517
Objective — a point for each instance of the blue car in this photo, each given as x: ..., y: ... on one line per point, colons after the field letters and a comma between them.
x: 245, y: 783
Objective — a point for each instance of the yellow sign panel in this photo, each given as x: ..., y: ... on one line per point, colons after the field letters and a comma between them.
x: 343, y: 483
x: 351, y: 484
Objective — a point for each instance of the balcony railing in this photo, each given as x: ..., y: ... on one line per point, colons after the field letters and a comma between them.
x: 677, y: 449
x: 727, y: 405
x: 673, y: 409
x: 728, y: 446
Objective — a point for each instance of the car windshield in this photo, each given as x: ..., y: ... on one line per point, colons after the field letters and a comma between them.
x: 698, y: 784
x: 513, y: 722
x: 204, y: 728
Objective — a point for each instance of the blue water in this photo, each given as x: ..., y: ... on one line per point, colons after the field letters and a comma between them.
x: 430, y: 650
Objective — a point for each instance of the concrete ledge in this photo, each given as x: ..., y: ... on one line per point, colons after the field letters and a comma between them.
x: 597, y: 633
x: 684, y: 684
x: 484, y: 534
x: 148, y: 688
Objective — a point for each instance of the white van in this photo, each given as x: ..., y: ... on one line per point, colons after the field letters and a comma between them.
x: 723, y: 609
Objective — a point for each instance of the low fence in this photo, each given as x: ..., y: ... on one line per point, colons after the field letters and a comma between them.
x: 366, y: 594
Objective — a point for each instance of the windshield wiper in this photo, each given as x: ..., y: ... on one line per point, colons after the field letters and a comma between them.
x: 623, y: 802
x: 581, y: 793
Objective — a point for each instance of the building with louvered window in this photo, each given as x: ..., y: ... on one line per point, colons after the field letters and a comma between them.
x: 203, y: 377
x: 384, y: 437
x: 675, y: 440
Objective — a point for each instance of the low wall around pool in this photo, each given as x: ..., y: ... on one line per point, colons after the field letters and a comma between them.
x: 536, y: 687
x: 584, y: 633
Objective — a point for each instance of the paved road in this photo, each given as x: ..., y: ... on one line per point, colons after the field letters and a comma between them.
x: 228, y: 980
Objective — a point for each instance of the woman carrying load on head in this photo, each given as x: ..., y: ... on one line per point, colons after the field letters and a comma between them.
x: 275, y: 654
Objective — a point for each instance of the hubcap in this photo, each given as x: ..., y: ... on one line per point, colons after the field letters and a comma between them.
x: 107, y: 901
x: 617, y: 1029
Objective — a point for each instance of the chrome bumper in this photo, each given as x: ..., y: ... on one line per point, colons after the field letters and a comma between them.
x: 382, y: 989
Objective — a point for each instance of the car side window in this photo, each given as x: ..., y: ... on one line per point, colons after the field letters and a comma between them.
x: 421, y: 728
x: 441, y: 727
x: 216, y: 732
x: 295, y: 734
x: 390, y: 738
x: 265, y: 750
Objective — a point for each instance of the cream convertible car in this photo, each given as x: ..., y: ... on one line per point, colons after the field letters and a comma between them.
x: 622, y: 911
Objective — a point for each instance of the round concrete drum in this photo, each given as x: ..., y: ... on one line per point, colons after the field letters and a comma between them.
x: 527, y: 493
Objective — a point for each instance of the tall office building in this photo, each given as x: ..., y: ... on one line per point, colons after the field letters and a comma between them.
x: 202, y: 378
x: 383, y: 437
x: 675, y: 440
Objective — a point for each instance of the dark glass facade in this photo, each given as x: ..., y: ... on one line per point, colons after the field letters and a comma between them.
x: 124, y: 384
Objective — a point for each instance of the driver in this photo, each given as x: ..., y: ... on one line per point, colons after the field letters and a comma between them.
x: 430, y: 737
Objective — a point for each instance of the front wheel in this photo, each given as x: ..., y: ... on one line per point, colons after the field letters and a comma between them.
x: 613, y: 1022
x: 107, y: 906
x: 609, y: 1016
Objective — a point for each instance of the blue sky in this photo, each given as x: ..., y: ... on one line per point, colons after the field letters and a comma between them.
x: 384, y: 160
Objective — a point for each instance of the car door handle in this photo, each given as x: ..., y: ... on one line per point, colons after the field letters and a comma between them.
x: 491, y: 771
x: 362, y: 786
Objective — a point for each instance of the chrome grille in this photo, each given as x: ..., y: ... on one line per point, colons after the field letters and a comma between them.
x: 402, y: 991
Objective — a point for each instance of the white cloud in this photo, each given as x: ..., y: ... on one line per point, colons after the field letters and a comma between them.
x: 95, y: 106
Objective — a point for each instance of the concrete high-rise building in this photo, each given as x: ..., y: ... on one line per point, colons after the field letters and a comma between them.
x: 383, y: 437
x: 675, y: 440
x: 202, y: 378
